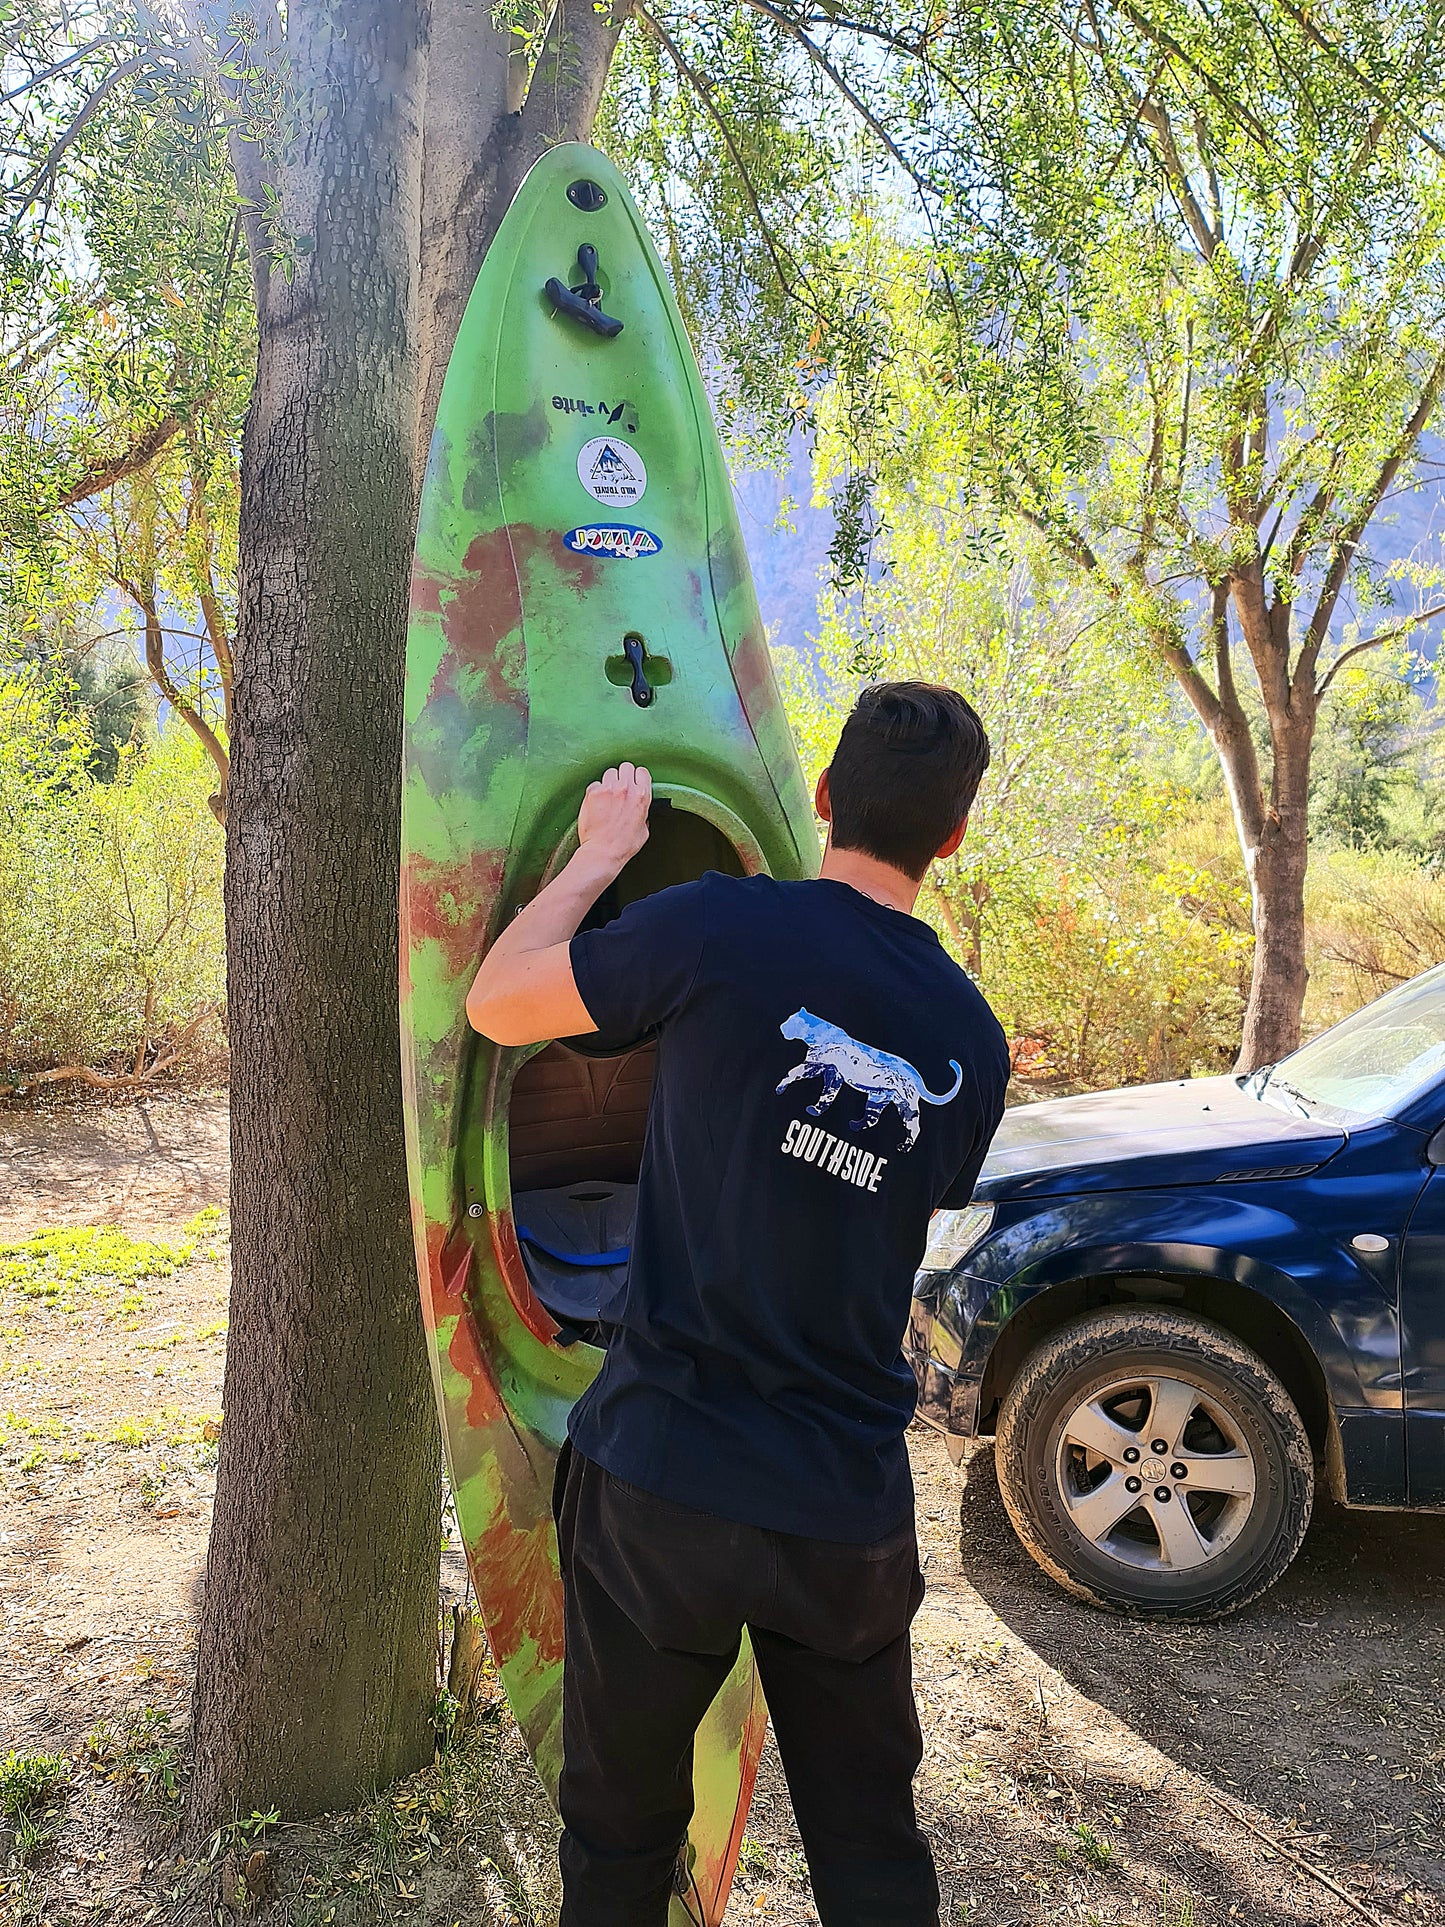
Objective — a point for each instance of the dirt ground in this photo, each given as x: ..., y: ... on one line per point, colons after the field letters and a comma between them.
x: 1284, y: 1769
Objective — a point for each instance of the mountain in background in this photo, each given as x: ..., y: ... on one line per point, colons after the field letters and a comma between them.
x: 790, y: 564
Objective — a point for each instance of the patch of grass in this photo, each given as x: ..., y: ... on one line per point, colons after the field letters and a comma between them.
x: 139, y: 1755
x: 175, y: 1427
x: 52, y: 1267
x: 1180, y: 1914
x: 30, y: 1785
x: 754, y: 1858
x: 30, y: 1780
x: 1091, y: 1847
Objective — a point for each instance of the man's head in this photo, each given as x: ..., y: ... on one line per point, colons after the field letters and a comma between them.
x: 904, y: 774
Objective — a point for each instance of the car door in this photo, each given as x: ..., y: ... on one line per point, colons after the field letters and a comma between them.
x: 1422, y: 1308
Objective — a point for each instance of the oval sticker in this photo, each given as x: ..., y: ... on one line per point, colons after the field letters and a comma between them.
x: 612, y: 471
x: 618, y: 539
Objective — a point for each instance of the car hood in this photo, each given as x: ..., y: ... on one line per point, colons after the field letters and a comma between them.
x: 1195, y: 1132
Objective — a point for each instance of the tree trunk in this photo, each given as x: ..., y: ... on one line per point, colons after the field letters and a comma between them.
x: 1279, y: 976
x: 1275, y: 841
x: 315, y: 1669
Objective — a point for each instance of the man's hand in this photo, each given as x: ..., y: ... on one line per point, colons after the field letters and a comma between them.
x: 612, y: 826
x: 525, y: 991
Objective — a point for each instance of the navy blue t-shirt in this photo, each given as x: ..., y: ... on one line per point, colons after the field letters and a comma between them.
x: 827, y: 1077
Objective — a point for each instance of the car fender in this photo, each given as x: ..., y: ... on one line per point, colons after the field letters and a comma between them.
x: 1229, y: 1236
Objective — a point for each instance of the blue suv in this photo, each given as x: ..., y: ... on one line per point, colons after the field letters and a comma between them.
x: 1178, y: 1307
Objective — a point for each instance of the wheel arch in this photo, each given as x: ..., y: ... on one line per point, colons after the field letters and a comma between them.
x: 1249, y: 1316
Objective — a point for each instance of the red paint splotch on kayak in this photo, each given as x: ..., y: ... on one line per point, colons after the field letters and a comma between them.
x: 753, y: 673
x: 449, y: 903
x: 515, y: 1574
x: 449, y: 1257
x: 489, y: 595
x: 486, y: 605
x: 426, y: 590
x: 528, y: 1307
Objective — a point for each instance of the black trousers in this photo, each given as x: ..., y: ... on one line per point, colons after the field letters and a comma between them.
x: 656, y: 1599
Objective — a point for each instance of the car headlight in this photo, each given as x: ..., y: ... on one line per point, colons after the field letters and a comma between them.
x: 953, y: 1234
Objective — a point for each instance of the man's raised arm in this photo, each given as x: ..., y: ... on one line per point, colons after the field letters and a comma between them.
x: 525, y: 991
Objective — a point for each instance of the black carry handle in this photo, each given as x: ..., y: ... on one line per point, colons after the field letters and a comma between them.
x: 642, y: 690
x: 582, y: 303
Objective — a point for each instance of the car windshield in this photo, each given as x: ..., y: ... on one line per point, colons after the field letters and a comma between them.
x: 1370, y: 1065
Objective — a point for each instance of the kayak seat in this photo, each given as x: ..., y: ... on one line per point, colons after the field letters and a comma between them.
x: 575, y: 1240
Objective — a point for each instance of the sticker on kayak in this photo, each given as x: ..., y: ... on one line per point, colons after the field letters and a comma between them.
x: 612, y: 471
x: 612, y: 538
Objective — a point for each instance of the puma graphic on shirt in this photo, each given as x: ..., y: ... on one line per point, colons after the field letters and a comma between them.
x: 879, y: 1077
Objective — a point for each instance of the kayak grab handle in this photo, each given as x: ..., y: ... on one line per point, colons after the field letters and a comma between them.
x: 642, y: 690
x: 584, y: 303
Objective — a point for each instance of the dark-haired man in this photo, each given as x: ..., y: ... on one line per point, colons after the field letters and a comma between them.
x: 826, y: 1078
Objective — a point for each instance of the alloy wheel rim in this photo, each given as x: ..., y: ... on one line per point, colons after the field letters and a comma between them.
x: 1156, y: 1474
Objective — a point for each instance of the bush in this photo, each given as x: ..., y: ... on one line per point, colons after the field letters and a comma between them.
x: 1374, y: 919
x: 1116, y: 980
x: 111, y: 934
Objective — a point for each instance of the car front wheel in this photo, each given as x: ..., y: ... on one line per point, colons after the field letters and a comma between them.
x: 1154, y: 1465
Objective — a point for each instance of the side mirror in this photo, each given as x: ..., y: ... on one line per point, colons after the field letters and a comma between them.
x: 1435, y: 1149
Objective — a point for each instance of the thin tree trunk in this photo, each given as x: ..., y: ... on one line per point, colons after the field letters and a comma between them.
x: 1279, y: 976
x: 1276, y: 862
x: 315, y: 1668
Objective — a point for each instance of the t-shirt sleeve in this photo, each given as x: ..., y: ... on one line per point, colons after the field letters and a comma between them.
x: 993, y: 1073
x: 636, y: 972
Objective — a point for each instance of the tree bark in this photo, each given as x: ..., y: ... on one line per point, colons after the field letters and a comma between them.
x: 315, y: 1669
x: 1273, y: 826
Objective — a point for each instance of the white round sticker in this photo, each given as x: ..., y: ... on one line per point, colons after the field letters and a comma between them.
x: 612, y: 471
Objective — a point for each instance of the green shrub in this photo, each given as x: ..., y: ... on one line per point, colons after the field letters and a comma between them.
x: 30, y: 1780
x: 111, y: 933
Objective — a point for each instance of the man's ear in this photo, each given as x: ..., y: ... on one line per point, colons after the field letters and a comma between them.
x: 953, y: 842
x: 823, y: 803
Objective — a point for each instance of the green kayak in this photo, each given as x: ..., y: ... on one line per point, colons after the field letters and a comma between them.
x: 581, y: 596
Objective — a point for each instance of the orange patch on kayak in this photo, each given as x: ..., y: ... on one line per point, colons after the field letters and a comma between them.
x: 528, y: 1306
x: 521, y: 1599
x: 450, y: 903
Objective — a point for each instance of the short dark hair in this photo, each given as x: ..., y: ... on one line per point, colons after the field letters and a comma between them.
x: 905, y: 772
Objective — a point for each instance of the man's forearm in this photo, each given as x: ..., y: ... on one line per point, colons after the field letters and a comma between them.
x: 524, y: 988
x: 524, y: 991
x: 555, y: 912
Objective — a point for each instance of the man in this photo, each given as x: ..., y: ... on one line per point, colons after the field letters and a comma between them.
x: 826, y: 1078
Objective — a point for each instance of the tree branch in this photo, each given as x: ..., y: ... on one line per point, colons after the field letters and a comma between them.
x: 1235, y: 109
x: 60, y: 66
x: 1348, y: 539
x: 1362, y: 80
x: 689, y: 74
x: 155, y: 653
x: 1205, y: 238
x: 1374, y: 642
x: 46, y: 171
x: 571, y: 71
x: 140, y: 454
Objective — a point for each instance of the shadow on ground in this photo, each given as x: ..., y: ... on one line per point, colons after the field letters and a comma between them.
x: 1319, y: 1706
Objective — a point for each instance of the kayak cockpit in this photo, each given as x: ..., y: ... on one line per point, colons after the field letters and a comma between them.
x: 576, y: 1130
x: 577, y: 1111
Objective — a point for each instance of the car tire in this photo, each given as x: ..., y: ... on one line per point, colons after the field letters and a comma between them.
x: 1065, y: 1468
